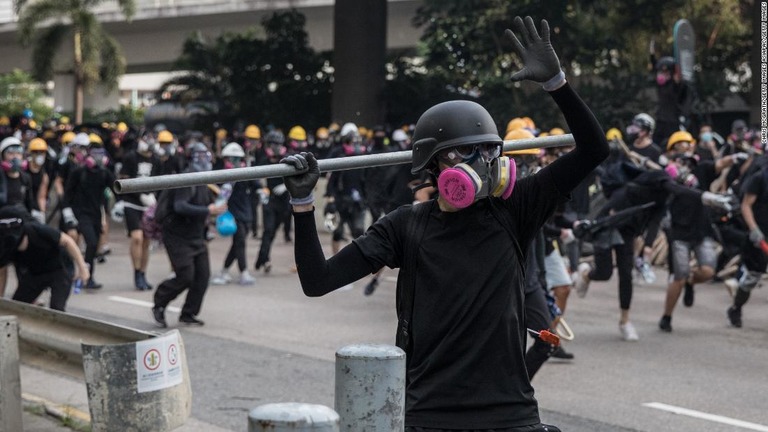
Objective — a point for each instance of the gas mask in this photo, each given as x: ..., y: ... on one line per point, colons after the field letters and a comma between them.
x: 680, y: 171
x: 97, y: 157
x: 662, y: 78
x: 476, y: 172
x: 274, y: 150
x: 14, y: 165
x: 354, y: 148
x: 200, y: 161
x: 233, y: 162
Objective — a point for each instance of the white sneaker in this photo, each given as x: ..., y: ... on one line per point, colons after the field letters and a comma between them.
x: 647, y: 273
x: 628, y: 332
x: 246, y: 278
x: 582, y: 279
x: 222, y: 278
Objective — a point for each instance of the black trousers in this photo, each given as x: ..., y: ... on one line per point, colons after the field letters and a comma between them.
x: 192, y: 266
x: 32, y: 285
x: 275, y: 212
x: 624, y: 263
x: 90, y: 229
x: 237, y: 250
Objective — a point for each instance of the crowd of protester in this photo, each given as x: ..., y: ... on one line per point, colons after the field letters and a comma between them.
x: 696, y: 198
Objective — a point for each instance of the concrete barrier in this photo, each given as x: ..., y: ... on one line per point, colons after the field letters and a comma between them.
x: 293, y: 417
x: 136, y: 380
x: 10, y: 379
x: 136, y: 387
x: 370, y: 388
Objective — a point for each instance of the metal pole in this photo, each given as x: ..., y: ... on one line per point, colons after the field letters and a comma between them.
x: 172, y: 181
x: 10, y: 376
x: 370, y: 388
x: 292, y: 417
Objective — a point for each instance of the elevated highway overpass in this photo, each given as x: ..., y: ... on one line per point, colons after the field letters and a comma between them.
x: 152, y: 41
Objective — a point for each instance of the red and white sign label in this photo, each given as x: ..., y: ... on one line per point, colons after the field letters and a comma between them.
x: 158, y: 363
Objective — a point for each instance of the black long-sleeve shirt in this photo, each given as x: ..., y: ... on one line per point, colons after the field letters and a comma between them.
x: 468, y: 331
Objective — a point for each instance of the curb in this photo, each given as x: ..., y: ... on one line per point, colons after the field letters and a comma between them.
x: 73, y: 417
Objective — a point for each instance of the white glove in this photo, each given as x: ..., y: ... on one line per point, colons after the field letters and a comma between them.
x: 280, y: 189
x: 756, y: 236
x: 566, y: 235
x: 118, y: 212
x: 330, y: 222
x: 740, y: 157
x: 148, y: 199
x: 716, y: 200
x: 70, y: 221
x: 39, y: 216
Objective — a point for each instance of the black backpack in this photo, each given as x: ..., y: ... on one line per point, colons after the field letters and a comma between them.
x: 164, y: 206
x: 406, y: 279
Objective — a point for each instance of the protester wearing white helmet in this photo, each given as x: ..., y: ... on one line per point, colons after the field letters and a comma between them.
x: 240, y: 207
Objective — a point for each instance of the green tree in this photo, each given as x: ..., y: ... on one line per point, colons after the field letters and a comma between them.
x: 19, y: 91
x: 97, y: 57
x: 602, y: 45
x: 267, y: 75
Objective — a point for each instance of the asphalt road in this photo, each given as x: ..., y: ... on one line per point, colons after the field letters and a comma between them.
x: 269, y: 343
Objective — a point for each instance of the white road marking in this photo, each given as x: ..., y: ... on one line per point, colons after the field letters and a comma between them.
x: 141, y: 303
x: 706, y: 416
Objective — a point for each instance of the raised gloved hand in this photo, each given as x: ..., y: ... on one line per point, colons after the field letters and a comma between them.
x: 70, y: 221
x: 301, y: 185
x: 724, y: 202
x: 756, y: 236
x: 540, y: 62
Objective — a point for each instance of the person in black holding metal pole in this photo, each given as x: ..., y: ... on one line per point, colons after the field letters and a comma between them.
x: 460, y: 287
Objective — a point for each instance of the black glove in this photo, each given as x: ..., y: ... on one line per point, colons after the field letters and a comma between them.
x: 581, y: 228
x: 330, y: 208
x: 301, y: 185
x: 540, y: 62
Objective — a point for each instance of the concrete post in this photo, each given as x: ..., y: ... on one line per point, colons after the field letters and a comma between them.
x: 140, y: 386
x: 370, y: 388
x: 10, y: 378
x: 293, y: 417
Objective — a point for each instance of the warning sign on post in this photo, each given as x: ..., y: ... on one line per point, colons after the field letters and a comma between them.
x: 158, y: 363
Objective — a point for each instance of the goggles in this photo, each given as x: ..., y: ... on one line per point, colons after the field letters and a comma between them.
x: 469, y: 153
x: 13, y: 150
x: 97, y: 152
x: 200, y: 156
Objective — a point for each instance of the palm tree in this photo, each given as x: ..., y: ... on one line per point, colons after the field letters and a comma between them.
x: 45, y: 24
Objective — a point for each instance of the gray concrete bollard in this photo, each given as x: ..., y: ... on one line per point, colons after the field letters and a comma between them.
x: 10, y: 377
x: 293, y: 417
x: 140, y: 386
x: 370, y: 388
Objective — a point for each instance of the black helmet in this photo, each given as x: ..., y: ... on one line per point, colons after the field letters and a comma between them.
x: 665, y: 63
x: 274, y: 137
x: 451, y: 124
x: 197, y: 147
